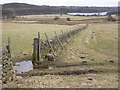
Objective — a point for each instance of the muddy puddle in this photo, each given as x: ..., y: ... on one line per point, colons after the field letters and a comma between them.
x: 25, y: 69
x: 26, y: 66
x: 23, y: 66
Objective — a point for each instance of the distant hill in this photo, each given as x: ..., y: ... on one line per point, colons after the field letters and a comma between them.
x: 27, y: 9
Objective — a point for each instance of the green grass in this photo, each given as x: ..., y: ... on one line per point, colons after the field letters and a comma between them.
x: 102, y: 47
x: 22, y: 36
x: 105, y: 39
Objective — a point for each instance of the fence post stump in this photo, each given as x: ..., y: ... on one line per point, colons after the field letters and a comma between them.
x: 39, y: 46
x: 35, y: 51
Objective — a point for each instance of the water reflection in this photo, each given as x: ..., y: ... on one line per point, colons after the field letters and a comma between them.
x: 89, y: 14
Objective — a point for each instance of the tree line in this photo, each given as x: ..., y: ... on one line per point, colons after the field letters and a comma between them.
x: 12, y: 9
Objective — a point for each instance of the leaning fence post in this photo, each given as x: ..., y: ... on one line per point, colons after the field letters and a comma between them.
x: 39, y: 44
x: 64, y: 38
x: 49, y: 44
x: 58, y: 40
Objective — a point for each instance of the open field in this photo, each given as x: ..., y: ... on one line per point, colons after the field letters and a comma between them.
x: 53, y: 46
x: 51, y: 16
x: 90, y: 61
x: 22, y: 36
x: 62, y: 19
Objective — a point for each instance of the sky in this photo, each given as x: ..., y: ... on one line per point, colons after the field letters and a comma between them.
x: 66, y: 2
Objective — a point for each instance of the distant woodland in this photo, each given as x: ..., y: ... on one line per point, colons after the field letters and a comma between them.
x: 13, y: 9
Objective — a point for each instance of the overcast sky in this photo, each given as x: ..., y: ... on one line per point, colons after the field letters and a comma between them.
x: 66, y: 2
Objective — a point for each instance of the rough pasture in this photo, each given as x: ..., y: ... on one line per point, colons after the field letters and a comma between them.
x: 22, y: 36
x: 92, y: 51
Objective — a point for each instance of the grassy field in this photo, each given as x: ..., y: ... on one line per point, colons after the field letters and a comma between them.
x: 51, y: 16
x: 98, y: 44
x: 93, y: 49
x: 62, y: 19
x: 22, y: 36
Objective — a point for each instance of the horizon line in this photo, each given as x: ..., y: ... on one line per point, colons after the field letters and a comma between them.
x: 57, y: 5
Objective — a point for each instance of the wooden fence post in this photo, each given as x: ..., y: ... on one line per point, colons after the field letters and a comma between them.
x: 35, y: 51
x: 64, y: 38
x: 49, y: 44
x: 60, y: 43
x: 39, y: 45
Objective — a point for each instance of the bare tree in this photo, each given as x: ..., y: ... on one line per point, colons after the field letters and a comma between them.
x: 8, y: 13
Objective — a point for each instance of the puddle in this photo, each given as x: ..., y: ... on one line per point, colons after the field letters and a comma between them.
x: 23, y: 66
